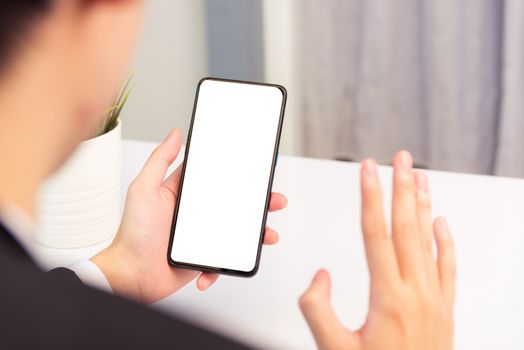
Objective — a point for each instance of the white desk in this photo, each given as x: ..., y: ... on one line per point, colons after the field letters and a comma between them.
x: 321, y: 228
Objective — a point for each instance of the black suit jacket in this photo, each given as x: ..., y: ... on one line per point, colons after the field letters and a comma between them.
x: 54, y: 310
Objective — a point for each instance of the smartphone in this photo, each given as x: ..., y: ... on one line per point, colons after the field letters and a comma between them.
x: 227, y: 175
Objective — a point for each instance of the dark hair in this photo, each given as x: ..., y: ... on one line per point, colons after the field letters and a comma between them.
x: 16, y: 18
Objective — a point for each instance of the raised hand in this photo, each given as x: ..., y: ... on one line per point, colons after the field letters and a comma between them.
x: 412, y: 292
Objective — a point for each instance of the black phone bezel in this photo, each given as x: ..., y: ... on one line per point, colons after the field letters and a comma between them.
x: 213, y: 269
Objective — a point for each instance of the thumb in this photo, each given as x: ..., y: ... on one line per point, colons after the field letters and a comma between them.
x: 315, y: 304
x: 155, y: 168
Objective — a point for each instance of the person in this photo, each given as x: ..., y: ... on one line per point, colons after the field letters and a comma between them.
x: 60, y: 62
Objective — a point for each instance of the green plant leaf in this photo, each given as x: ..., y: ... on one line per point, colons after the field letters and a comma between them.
x: 110, y: 119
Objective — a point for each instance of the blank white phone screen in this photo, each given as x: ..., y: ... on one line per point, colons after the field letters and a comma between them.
x: 223, y: 198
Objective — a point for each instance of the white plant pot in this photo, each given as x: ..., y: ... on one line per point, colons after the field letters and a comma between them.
x: 81, y: 204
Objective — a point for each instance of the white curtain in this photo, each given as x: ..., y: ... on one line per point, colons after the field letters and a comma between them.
x: 442, y: 78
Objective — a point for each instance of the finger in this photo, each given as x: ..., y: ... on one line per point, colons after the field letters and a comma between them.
x: 155, y: 168
x: 270, y: 236
x: 405, y: 227
x: 205, y: 280
x: 380, y: 252
x: 424, y: 210
x: 173, y: 180
x: 316, y: 307
x: 277, y: 202
x: 183, y: 276
x: 446, y: 260
x: 425, y: 227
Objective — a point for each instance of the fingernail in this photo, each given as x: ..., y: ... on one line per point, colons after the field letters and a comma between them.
x: 421, y: 181
x: 319, y: 275
x: 205, y: 282
x: 406, y: 161
x: 370, y: 168
x: 171, y: 133
x: 443, y: 224
x: 277, y: 238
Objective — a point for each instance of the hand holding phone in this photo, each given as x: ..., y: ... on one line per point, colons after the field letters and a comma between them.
x: 135, y: 263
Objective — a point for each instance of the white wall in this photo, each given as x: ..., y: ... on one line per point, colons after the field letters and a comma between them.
x: 170, y: 60
x: 281, y: 65
x: 172, y: 56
